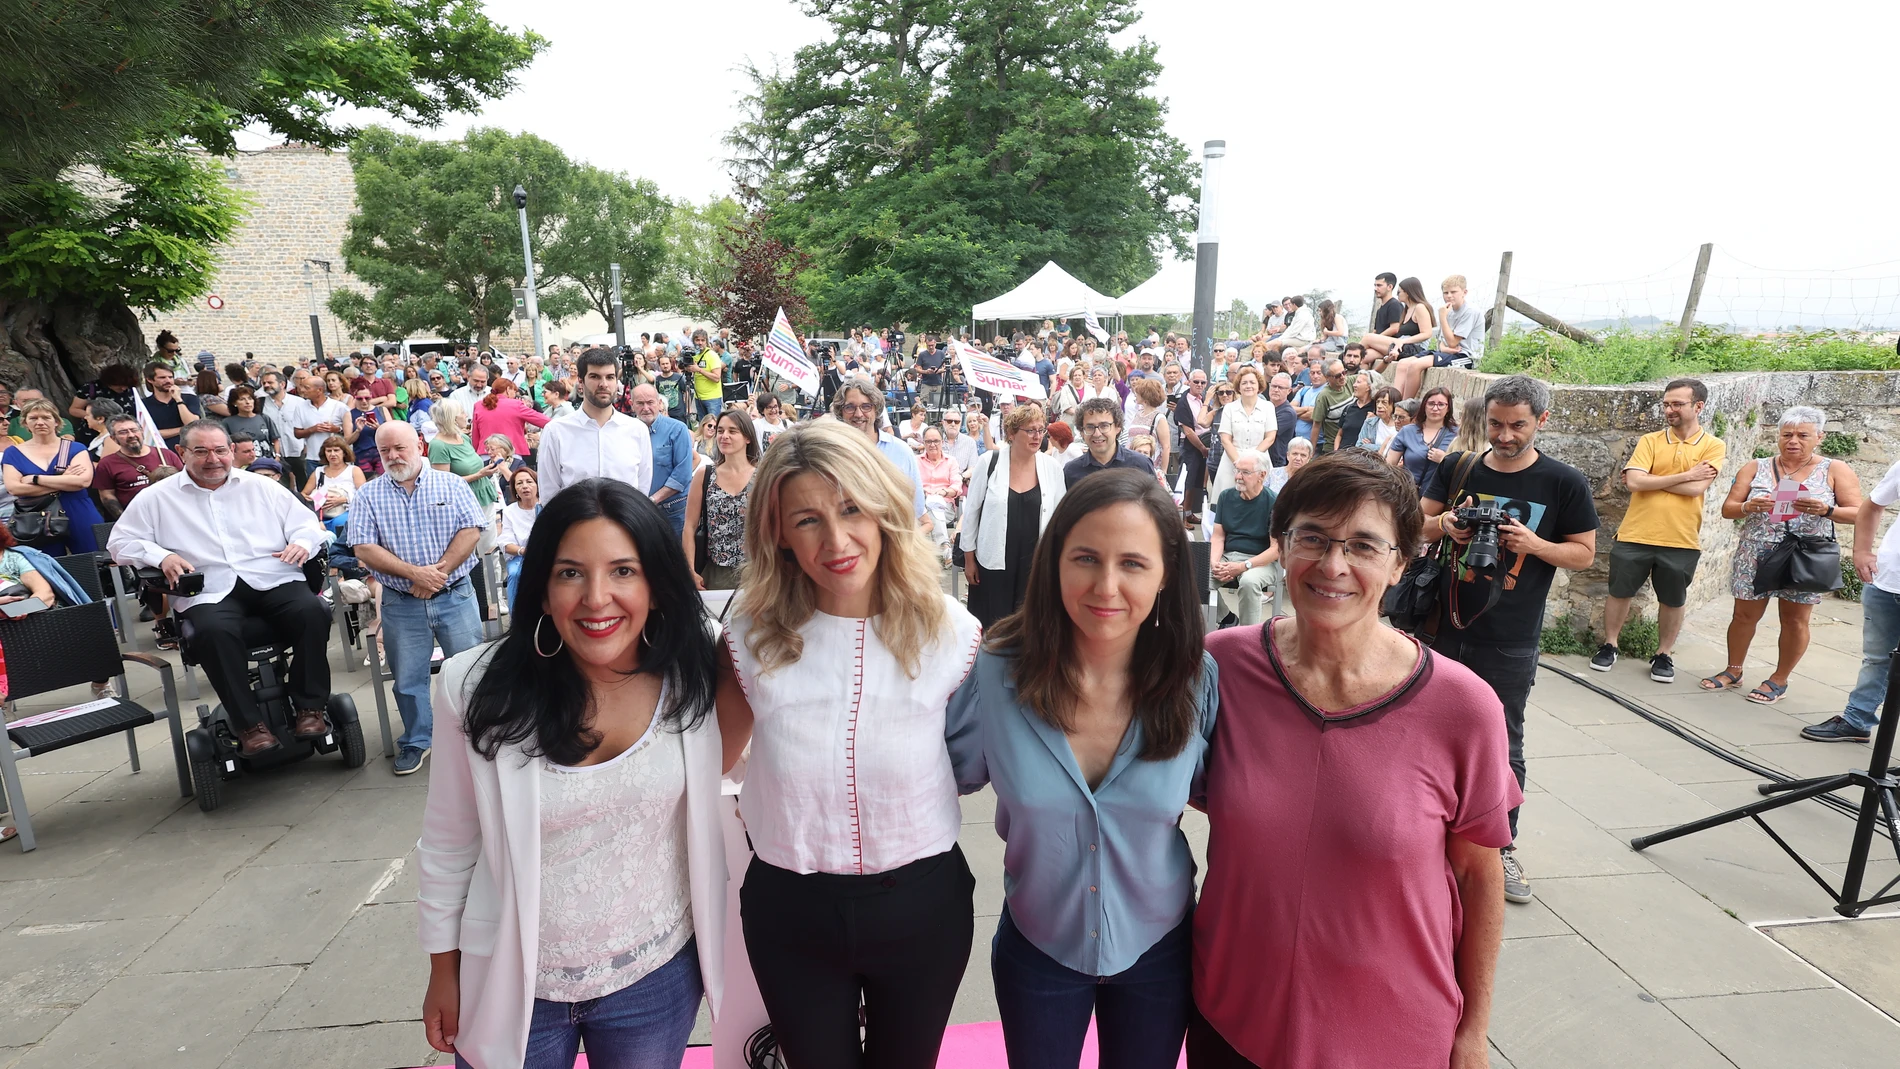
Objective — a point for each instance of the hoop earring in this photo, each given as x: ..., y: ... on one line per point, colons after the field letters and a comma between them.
x: 560, y: 643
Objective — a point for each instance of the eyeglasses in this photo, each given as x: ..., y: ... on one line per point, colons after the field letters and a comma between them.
x: 1308, y: 544
x: 1096, y: 429
x: 864, y: 409
x: 201, y: 452
x: 1033, y: 432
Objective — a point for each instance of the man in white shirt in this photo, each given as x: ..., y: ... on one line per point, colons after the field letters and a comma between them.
x: 956, y: 445
x: 284, y: 409
x: 319, y: 417
x: 475, y: 389
x: 597, y: 441
x: 249, y: 537
x: 1879, y: 572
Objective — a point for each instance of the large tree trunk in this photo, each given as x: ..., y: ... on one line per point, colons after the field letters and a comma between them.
x: 56, y: 346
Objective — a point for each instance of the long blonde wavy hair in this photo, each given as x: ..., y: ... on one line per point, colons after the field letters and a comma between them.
x: 780, y: 598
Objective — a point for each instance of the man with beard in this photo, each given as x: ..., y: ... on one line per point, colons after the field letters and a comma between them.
x: 598, y: 440
x: 415, y: 529
x: 249, y: 537
x: 1491, y: 620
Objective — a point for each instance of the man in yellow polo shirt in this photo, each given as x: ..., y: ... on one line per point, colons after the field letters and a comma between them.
x: 709, y: 370
x: 1660, y: 540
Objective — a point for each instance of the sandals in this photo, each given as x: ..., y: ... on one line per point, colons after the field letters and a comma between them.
x: 1723, y: 680
x: 1767, y: 692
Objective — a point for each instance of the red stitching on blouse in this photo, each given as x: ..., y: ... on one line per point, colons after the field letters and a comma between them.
x: 851, y: 750
x: 732, y: 648
x: 969, y: 662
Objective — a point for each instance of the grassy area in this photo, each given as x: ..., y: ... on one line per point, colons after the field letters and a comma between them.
x: 1630, y: 356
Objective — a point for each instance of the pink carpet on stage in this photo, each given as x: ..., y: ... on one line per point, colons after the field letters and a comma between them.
x: 965, y: 1046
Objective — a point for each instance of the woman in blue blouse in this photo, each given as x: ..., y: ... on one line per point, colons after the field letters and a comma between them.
x: 1090, y: 711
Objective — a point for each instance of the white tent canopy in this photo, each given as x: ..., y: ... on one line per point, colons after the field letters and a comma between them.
x: 1050, y: 293
x: 1169, y: 292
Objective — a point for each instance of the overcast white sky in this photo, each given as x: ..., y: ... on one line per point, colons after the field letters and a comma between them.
x: 1600, y: 142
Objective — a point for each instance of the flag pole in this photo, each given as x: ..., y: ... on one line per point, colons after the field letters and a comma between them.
x: 1207, y: 254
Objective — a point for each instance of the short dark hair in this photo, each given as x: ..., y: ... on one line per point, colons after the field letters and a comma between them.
x: 152, y: 369
x: 1513, y: 390
x: 1350, y: 346
x: 1097, y: 405
x: 1696, y: 387
x: 1040, y: 635
x: 1336, y: 484
x: 598, y: 356
x: 243, y: 436
x: 541, y: 703
x: 1388, y: 278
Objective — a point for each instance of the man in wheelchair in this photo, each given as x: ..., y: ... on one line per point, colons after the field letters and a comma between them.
x: 249, y: 537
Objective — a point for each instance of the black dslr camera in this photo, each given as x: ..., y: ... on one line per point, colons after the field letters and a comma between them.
x: 1483, y: 521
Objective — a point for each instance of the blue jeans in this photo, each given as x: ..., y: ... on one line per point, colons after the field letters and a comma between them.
x: 711, y: 406
x: 644, y: 1025
x: 1879, y: 631
x: 675, y: 509
x: 412, y: 628
x: 511, y: 578
x: 1141, y: 1013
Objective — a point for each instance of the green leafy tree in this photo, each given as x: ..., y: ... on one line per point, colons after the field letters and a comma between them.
x: 608, y: 218
x: 94, y: 92
x: 696, y: 259
x: 934, y: 153
x: 437, y: 238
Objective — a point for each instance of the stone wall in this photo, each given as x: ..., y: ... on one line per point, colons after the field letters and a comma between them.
x: 301, y: 202
x: 1595, y: 428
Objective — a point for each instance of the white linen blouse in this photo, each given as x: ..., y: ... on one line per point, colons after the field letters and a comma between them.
x: 849, y: 772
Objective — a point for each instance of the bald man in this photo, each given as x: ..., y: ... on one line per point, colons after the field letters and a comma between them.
x: 672, y: 454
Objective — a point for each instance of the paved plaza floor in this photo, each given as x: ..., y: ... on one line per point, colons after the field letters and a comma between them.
x: 280, y: 929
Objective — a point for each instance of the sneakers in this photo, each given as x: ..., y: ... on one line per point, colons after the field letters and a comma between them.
x: 410, y: 759
x: 1605, y: 658
x: 1662, y: 668
x: 1516, y: 887
x: 1834, y: 729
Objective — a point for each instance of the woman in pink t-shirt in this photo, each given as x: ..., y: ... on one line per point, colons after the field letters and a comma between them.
x: 1357, y: 795
x: 501, y: 412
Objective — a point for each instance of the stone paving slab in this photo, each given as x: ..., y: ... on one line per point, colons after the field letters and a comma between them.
x: 53, y: 970
x: 183, y: 1021
x: 1554, y: 840
x: 1672, y: 941
x: 350, y: 982
x: 1560, y: 1003
x: 373, y: 1046
x: 355, y: 825
x: 1611, y: 790
x: 1775, y: 1030
x: 1666, y: 755
x: 267, y: 915
x: 1860, y: 954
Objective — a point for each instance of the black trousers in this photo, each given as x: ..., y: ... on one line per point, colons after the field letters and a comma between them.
x: 296, y: 617
x: 897, y: 941
x: 1510, y: 672
x: 295, y: 473
x: 1196, y: 464
x: 1206, y: 1049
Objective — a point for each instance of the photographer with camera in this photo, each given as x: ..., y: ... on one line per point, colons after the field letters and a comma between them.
x: 1520, y: 516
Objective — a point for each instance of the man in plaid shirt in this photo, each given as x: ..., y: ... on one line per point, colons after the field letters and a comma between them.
x: 416, y: 529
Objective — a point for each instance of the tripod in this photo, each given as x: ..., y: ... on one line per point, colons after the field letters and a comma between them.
x: 1877, y: 782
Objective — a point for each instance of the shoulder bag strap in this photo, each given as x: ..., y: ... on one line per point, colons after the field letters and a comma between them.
x: 1465, y: 464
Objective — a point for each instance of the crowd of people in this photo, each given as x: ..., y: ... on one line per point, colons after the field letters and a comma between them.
x: 571, y: 863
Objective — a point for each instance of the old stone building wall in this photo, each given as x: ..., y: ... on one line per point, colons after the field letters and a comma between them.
x: 301, y: 202
x: 1595, y: 428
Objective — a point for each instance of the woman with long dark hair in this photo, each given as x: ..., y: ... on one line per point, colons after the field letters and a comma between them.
x: 1090, y: 711
x: 572, y: 868
x: 1420, y: 445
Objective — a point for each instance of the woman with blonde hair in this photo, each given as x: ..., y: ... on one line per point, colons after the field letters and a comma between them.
x: 1013, y: 492
x: 842, y: 654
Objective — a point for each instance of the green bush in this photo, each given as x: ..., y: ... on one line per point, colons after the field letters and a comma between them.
x: 1719, y: 425
x: 1850, y: 579
x: 1836, y: 444
x: 1632, y: 356
x: 1571, y: 635
x: 1639, y: 639
x: 1763, y: 452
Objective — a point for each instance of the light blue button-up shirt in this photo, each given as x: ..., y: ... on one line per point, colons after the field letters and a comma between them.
x: 900, y: 454
x: 1092, y: 878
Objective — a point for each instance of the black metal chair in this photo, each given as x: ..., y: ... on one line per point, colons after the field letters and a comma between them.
x: 1201, y: 556
x: 87, y: 570
x: 64, y: 647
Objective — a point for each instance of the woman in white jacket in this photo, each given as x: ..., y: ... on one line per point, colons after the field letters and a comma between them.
x: 1013, y: 492
x: 572, y: 869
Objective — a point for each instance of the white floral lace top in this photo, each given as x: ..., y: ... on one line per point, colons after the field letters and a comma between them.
x: 615, y: 902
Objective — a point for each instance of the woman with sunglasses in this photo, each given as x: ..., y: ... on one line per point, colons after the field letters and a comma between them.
x: 1356, y: 768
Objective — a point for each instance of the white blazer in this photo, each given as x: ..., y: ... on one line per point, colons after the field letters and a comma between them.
x: 986, y: 513
x: 479, y: 868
